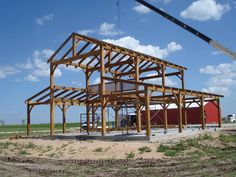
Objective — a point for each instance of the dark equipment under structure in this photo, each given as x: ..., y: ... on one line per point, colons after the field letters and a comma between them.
x: 123, y: 82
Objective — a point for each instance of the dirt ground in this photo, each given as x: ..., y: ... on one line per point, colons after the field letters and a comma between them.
x: 38, y: 157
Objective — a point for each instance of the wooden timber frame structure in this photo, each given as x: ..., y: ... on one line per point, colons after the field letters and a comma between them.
x: 123, y: 82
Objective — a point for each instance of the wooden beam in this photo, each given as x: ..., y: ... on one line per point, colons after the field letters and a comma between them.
x: 219, y: 113
x: 77, y: 57
x: 39, y: 103
x: 102, y: 89
x: 119, y: 63
x: 58, y: 50
x: 179, y: 101
x: 93, y: 116
x: 69, y: 88
x: 159, y: 75
x: 87, y: 96
x: 74, y: 44
x: 39, y: 93
x: 133, y: 72
x: 147, y: 113
x: 137, y: 105
x: 52, y: 103
x: 153, y: 87
x: 92, y: 60
x: 28, y: 120
x: 184, y: 105
x: 122, y: 50
x: 45, y: 96
x: 92, y: 50
x: 83, y: 48
x: 74, y: 96
x: 117, y: 94
x: 116, y: 118
x: 202, y: 113
x: 64, y: 118
x: 141, y: 55
x: 164, y: 94
x: 69, y: 94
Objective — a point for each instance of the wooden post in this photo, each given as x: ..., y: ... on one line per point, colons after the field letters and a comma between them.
x: 116, y: 117
x: 165, y: 116
x: 63, y: 118
x: 73, y: 45
x: 137, y: 105
x: 219, y: 113
x: 87, y: 97
x: 138, y: 118
x: 164, y: 93
x: 202, y: 112
x: 179, y: 100
x: 28, y: 120
x: 147, y: 112
x: 183, y: 102
x: 93, y: 117
x: 102, y: 90
x: 52, y: 103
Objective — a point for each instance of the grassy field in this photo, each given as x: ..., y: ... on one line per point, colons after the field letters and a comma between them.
x: 10, y: 130
x: 38, y: 129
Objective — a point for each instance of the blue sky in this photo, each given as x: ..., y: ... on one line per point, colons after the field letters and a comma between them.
x: 31, y: 30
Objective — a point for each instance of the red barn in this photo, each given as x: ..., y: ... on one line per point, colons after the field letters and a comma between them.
x: 193, y: 115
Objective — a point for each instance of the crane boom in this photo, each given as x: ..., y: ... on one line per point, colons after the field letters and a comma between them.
x: 200, y: 35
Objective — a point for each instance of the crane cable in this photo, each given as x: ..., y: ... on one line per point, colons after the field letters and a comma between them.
x: 118, y: 18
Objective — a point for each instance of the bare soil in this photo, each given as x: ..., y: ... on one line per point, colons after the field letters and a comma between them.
x: 34, y: 157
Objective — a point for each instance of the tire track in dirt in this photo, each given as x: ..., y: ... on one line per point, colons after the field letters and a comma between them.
x: 118, y: 167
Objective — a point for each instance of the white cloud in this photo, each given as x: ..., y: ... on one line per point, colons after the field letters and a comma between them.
x: 17, y: 80
x: 42, y: 20
x: 39, y: 67
x: 234, y: 4
x: 32, y: 78
x: 141, y: 9
x: 87, y: 31
x: 169, y: 81
x: 223, y: 78
x: 173, y: 46
x: 156, y: 51
x: 216, y: 53
x: 6, y: 71
x: 108, y: 29
x: 203, y: 10
x: 96, y: 81
x: 105, y: 29
x: 167, y: 1
x: 27, y: 65
x: 69, y: 68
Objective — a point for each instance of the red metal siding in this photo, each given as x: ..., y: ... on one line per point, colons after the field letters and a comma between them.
x: 211, y: 109
x: 193, y: 115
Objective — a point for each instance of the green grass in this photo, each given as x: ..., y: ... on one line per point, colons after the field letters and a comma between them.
x: 144, y: 149
x: 173, y: 150
x: 227, y: 138
x: 14, y: 129
x: 206, y: 136
x: 64, y: 145
x: 23, y: 152
x: 98, y: 149
x: 30, y: 145
x: 203, y: 149
x: 130, y: 155
x: 181, y: 146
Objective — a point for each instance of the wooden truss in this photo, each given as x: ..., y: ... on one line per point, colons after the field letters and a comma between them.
x: 122, y: 82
